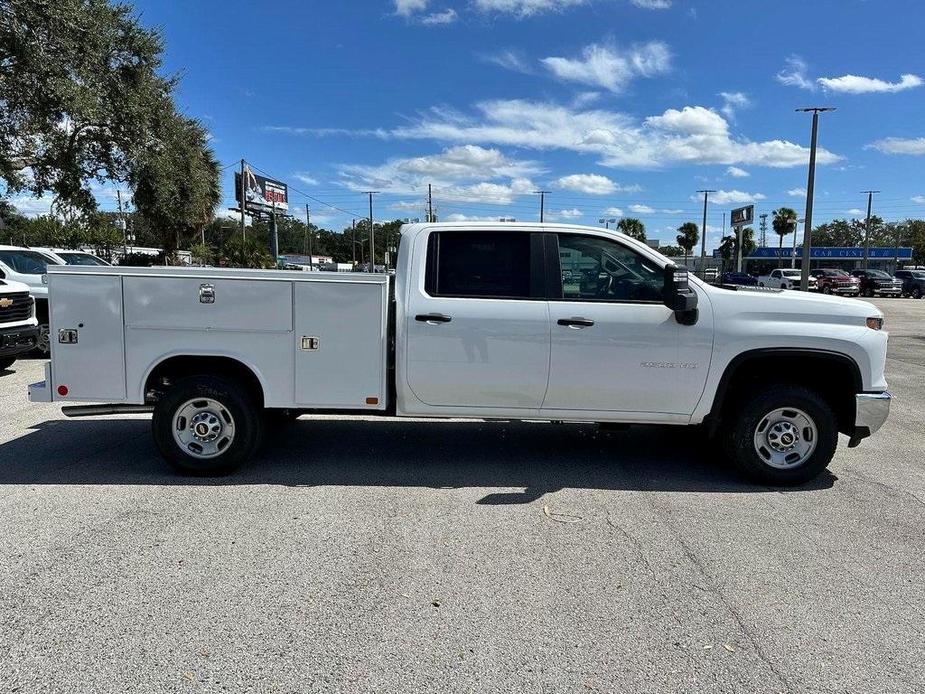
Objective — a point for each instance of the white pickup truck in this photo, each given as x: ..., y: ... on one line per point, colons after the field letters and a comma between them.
x: 523, y: 321
x: 785, y: 279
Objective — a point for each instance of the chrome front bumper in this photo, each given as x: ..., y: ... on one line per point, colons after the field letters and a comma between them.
x: 871, y: 411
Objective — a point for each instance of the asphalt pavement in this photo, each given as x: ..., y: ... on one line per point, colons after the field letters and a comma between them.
x: 380, y: 555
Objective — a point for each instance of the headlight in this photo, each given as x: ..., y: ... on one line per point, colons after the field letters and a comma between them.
x: 875, y: 323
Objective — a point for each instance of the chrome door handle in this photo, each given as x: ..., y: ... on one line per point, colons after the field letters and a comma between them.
x: 432, y: 318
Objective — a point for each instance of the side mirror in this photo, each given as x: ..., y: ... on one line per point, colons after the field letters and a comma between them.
x: 678, y: 295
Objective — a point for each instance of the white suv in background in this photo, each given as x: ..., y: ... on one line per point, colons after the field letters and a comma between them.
x: 68, y: 256
x: 28, y: 266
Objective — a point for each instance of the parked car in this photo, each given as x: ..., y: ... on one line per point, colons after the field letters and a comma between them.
x: 72, y: 257
x: 29, y: 267
x: 836, y: 281
x: 878, y: 283
x: 784, y: 279
x: 913, y: 282
x: 739, y: 278
x: 482, y: 325
x: 18, y: 331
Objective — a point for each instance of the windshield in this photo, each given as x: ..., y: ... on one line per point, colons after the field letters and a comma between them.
x: 791, y: 273
x: 919, y: 275
x: 80, y: 258
x: 879, y: 274
x: 26, y: 262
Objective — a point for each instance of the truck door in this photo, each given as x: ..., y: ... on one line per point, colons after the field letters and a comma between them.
x: 615, y: 346
x: 477, y: 326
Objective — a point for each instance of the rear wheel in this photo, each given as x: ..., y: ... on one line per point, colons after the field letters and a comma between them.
x: 783, y: 436
x: 206, y: 425
x: 917, y: 293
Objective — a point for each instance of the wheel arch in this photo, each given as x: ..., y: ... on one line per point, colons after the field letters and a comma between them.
x: 173, y: 367
x: 836, y: 376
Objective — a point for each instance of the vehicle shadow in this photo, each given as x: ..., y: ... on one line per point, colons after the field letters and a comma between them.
x: 534, y: 457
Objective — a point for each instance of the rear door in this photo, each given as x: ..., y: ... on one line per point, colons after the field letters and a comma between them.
x: 477, y: 326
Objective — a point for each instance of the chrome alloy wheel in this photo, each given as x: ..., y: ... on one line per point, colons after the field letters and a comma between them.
x: 203, y: 427
x: 785, y: 438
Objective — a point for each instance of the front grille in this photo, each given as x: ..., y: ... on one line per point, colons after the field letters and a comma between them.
x: 20, y: 310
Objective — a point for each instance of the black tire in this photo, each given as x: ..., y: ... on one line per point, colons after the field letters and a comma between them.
x: 826, y: 290
x: 235, y: 403
x: 917, y: 293
x: 6, y: 362
x: 741, y: 427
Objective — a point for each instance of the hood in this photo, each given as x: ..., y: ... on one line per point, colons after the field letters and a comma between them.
x: 794, y: 305
x: 11, y: 287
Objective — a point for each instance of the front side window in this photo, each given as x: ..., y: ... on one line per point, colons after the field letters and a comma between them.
x: 25, y: 262
x: 598, y: 269
x: 479, y: 264
x: 81, y: 259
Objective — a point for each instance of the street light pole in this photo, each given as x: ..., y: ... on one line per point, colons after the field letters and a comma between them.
x: 870, y: 201
x: 810, y: 183
x: 703, y: 235
x: 372, y: 233
x: 542, y: 194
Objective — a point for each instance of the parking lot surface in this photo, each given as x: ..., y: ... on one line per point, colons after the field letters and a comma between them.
x: 385, y: 555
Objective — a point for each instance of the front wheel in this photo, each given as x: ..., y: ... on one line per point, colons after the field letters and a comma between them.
x: 826, y: 290
x: 785, y: 435
x: 6, y: 362
x: 206, y: 425
x: 917, y: 293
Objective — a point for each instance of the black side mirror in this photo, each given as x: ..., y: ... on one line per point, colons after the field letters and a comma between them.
x: 678, y: 295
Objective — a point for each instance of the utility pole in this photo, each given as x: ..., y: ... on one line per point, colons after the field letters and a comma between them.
x: 125, y: 229
x: 542, y: 194
x: 308, y: 235
x: 870, y: 200
x: 430, y: 204
x: 764, y: 228
x: 372, y: 232
x: 703, y: 235
x: 810, y: 184
x: 243, y: 198
x: 793, y: 253
x: 353, y: 244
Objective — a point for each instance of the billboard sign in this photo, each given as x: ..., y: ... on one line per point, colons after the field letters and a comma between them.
x: 262, y: 194
x: 743, y: 215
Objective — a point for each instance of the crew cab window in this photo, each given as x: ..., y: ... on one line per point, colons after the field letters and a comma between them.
x: 598, y: 269
x: 776, y: 273
x: 479, y: 264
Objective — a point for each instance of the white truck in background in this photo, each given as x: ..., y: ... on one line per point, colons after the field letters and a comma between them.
x: 522, y: 321
x: 787, y: 278
x: 18, y: 327
x: 29, y: 267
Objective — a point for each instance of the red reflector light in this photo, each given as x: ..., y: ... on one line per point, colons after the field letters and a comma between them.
x: 62, y: 391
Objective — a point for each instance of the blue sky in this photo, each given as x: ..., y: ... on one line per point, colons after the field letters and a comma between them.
x: 618, y: 107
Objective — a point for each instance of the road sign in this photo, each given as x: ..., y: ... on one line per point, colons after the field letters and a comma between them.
x: 743, y: 215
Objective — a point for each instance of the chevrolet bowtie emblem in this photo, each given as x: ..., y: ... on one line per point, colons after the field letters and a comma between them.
x: 5, y: 303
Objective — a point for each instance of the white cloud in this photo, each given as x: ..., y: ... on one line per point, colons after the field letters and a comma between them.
x: 613, y: 212
x: 736, y: 172
x: 526, y: 8
x: 691, y: 120
x: 725, y: 197
x: 898, y: 145
x: 611, y: 68
x: 855, y: 84
x: 641, y: 209
x: 305, y: 178
x: 406, y: 8
x: 652, y: 4
x: 856, y: 211
x: 797, y: 192
x: 734, y: 101
x: 592, y: 184
x: 458, y: 217
x: 794, y: 74
x: 568, y: 214
x: 918, y: 199
x: 32, y: 207
x: 447, y: 16
x: 510, y: 59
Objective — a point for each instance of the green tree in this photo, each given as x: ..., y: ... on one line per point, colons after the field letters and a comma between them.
x: 729, y: 246
x: 251, y: 252
x: 633, y: 227
x: 79, y: 89
x: 687, y: 238
x: 670, y: 251
x: 783, y: 222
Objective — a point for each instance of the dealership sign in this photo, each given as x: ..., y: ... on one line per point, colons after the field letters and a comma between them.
x: 823, y: 252
x: 262, y: 194
x: 743, y: 215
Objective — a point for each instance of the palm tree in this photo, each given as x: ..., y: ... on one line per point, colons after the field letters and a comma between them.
x: 784, y: 222
x: 688, y: 236
x: 633, y: 227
